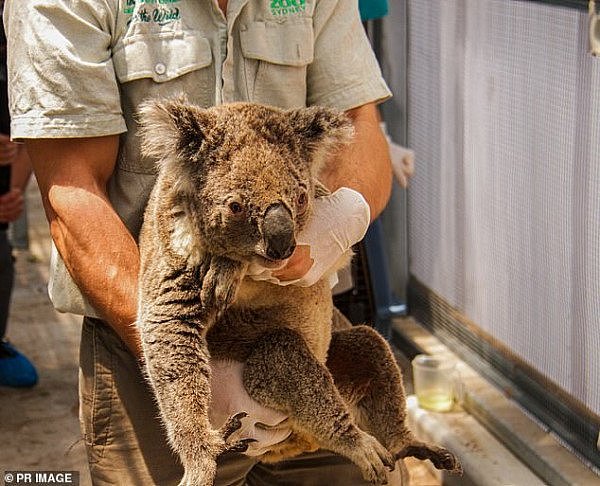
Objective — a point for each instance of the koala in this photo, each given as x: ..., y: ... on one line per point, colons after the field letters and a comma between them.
x: 235, y: 186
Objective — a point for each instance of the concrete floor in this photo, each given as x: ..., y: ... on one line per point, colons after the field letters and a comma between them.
x: 39, y: 429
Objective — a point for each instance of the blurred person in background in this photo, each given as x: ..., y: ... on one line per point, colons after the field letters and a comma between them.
x: 15, y: 369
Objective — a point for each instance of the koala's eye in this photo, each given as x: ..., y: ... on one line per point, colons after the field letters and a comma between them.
x: 236, y: 207
x: 302, y: 202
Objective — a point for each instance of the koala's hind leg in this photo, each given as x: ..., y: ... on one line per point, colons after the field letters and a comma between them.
x: 368, y: 378
x: 283, y: 374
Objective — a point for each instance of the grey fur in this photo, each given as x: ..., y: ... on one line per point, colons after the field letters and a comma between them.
x: 236, y: 185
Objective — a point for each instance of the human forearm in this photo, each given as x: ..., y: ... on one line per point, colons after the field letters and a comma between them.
x: 365, y: 164
x: 21, y: 169
x: 100, y: 254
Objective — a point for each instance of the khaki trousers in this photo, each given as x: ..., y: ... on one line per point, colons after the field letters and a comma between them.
x: 126, y: 443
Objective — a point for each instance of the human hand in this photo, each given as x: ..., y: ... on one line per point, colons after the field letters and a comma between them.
x: 8, y: 149
x: 229, y: 397
x: 11, y: 205
x: 338, y: 222
x: 296, y: 266
x: 403, y: 163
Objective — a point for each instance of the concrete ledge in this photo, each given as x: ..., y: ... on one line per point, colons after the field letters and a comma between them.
x: 497, y: 441
x: 485, y: 460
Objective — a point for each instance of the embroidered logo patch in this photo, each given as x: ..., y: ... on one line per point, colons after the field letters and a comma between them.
x: 287, y: 7
x: 157, y: 11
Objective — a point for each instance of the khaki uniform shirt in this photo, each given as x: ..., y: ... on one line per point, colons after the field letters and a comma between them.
x: 80, y: 69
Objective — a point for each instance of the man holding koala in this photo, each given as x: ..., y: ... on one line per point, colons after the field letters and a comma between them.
x: 78, y: 71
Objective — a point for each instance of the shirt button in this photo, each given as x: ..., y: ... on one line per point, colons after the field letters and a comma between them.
x: 160, y: 68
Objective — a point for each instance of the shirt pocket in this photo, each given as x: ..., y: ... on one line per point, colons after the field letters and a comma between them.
x: 276, y: 56
x: 161, y: 58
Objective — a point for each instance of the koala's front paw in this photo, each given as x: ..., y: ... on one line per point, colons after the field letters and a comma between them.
x: 200, y: 467
x: 233, y: 424
x: 200, y: 463
x: 195, y: 478
x: 220, y: 282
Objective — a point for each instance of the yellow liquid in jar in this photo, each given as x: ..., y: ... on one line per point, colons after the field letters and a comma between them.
x: 436, y: 401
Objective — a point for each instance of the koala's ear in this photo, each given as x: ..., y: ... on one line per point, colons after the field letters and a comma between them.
x: 172, y: 128
x: 321, y: 131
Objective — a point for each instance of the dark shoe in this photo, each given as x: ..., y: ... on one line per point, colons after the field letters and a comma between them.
x: 15, y: 369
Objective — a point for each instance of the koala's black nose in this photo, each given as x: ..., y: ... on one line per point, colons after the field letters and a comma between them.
x: 278, y: 232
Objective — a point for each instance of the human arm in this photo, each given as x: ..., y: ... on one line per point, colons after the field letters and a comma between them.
x: 98, y: 250
x: 21, y: 169
x: 15, y: 155
x: 8, y: 149
x: 364, y: 165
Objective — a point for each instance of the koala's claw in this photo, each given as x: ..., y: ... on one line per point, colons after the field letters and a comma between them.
x: 233, y: 423
x: 240, y: 445
x: 220, y: 281
x: 444, y: 459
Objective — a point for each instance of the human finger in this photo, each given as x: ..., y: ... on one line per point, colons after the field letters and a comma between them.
x: 297, y: 266
x: 13, y: 195
x: 8, y: 149
x: 10, y: 214
x: 403, y: 163
x: 7, y: 154
x: 11, y: 205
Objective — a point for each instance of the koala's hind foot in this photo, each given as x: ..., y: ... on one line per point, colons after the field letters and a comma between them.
x: 283, y: 374
x: 440, y: 457
x: 370, y: 381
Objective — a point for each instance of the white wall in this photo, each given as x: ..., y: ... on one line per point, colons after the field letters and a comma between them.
x: 504, y: 210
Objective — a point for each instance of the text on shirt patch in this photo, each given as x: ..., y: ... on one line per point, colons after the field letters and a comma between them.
x: 161, y: 12
x: 287, y: 7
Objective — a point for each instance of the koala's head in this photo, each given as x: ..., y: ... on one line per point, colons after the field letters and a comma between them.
x: 243, y: 174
